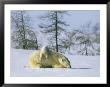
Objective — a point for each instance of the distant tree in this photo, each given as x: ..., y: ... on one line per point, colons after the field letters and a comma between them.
x: 84, y: 42
x: 96, y: 40
x: 54, y: 27
x: 22, y: 35
x: 68, y: 41
x: 96, y: 32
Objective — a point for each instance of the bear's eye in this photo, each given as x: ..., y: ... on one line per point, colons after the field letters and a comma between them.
x: 63, y: 60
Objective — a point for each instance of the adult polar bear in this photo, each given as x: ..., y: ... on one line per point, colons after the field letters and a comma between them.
x: 44, y: 58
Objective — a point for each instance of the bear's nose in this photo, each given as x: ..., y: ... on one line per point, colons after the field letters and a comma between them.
x: 68, y: 66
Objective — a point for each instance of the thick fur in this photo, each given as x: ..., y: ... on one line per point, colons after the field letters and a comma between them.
x: 48, y: 59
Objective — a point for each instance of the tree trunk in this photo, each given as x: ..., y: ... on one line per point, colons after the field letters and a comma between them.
x: 23, y: 27
x: 36, y: 44
x: 56, y: 32
x: 86, y: 49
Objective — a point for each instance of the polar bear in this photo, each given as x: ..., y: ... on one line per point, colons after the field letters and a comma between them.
x: 44, y: 58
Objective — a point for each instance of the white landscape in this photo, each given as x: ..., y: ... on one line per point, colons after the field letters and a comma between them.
x: 75, y: 33
x: 82, y: 66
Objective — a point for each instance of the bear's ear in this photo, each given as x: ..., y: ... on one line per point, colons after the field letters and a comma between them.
x: 61, y: 60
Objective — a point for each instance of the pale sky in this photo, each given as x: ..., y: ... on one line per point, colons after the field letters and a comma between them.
x: 75, y: 18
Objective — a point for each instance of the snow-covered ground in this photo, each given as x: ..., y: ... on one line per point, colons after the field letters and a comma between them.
x: 82, y: 66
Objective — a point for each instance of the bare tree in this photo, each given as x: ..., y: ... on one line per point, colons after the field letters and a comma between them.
x: 88, y: 42
x: 55, y: 25
x: 22, y: 34
x: 96, y: 40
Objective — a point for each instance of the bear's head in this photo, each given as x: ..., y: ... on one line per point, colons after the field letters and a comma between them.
x: 65, y: 62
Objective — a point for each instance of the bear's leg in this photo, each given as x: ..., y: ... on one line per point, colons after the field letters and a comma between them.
x: 47, y: 66
x: 36, y: 66
x: 58, y: 66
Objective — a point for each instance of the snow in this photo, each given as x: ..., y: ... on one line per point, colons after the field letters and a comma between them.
x: 82, y: 66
